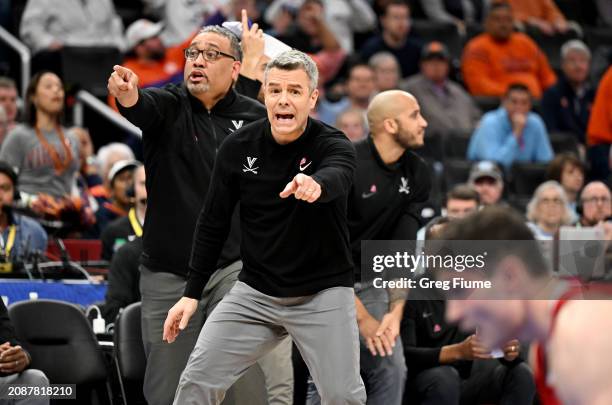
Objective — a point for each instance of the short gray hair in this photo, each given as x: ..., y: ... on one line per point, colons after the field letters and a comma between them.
x: 105, y: 153
x: 224, y: 32
x: 535, y: 200
x: 379, y: 57
x: 293, y: 60
x: 574, y: 45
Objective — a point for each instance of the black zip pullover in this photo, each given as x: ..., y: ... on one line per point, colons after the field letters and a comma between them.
x: 180, y: 141
x: 289, y: 247
x: 384, y: 201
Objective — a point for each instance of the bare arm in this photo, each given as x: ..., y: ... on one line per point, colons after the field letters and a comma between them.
x: 580, y: 360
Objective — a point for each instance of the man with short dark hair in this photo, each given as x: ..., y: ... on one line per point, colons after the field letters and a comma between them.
x: 359, y: 90
x: 461, y: 201
x: 499, y: 57
x: 512, y: 132
x: 557, y: 316
x: 395, y: 23
x: 446, y: 105
x: 292, y: 175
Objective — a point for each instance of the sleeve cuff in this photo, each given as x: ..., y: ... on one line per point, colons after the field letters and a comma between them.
x: 195, y: 285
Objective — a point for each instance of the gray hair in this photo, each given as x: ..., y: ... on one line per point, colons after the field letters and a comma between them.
x: 224, y: 32
x: 533, y: 204
x: 380, y: 57
x: 293, y: 60
x: 107, y: 151
x: 574, y: 45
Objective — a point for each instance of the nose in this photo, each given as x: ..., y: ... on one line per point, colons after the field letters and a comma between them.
x: 423, y: 122
x: 199, y: 61
x: 283, y: 97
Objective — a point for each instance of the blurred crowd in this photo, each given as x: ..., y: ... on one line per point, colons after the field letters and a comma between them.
x: 517, y: 95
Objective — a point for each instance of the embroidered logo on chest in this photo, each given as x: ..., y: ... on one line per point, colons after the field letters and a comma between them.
x: 404, y: 187
x: 249, y: 166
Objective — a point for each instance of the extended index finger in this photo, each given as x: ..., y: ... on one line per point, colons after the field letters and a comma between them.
x: 245, y: 22
x: 124, y: 73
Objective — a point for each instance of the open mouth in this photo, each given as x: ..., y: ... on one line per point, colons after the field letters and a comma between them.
x: 197, y: 76
x: 284, y: 118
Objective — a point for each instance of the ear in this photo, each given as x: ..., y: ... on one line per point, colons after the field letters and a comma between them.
x: 390, y: 125
x: 236, y: 70
x: 313, y: 98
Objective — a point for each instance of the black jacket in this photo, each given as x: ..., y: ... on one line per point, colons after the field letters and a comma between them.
x: 290, y: 247
x: 385, y: 200
x: 115, y: 235
x: 123, y: 280
x: 180, y: 143
x: 424, y: 332
x: 7, y: 332
x: 563, y: 110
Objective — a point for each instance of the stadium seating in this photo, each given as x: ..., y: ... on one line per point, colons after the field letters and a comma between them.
x: 62, y: 344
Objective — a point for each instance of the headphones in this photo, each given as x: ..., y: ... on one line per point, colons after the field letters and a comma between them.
x: 11, y: 173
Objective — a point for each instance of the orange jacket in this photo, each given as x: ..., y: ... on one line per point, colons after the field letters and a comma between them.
x: 541, y: 9
x: 600, y: 121
x: 489, y: 66
x: 157, y: 74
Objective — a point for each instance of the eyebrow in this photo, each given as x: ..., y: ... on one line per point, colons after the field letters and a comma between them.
x: 209, y: 44
x: 291, y: 85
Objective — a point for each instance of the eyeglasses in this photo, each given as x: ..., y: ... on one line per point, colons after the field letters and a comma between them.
x: 210, y: 55
x: 593, y: 200
x: 554, y: 201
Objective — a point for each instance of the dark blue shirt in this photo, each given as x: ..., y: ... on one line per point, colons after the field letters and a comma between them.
x: 408, y: 55
x: 564, y: 110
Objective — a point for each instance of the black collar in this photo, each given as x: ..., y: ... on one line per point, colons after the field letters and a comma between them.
x: 389, y: 168
x: 221, y: 106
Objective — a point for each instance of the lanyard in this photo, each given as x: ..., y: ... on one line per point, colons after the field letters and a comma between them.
x: 9, y: 242
x: 58, y: 164
x: 134, y: 222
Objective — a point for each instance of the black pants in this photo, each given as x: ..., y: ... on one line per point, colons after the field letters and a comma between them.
x: 489, y: 381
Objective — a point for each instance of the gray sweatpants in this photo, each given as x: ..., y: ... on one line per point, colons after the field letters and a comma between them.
x: 248, y: 324
x: 165, y: 362
x: 29, y: 377
x: 385, y: 377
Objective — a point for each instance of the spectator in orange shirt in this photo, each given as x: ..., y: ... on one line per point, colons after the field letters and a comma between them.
x: 541, y: 14
x: 147, y: 56
x: 500, y: 56
x: 599, y: 131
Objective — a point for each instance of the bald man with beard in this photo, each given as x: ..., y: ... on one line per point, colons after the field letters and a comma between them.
x: 390, y: 183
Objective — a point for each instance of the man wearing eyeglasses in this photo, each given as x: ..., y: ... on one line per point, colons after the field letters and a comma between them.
x: 596, y: 206
x: 183, y: 127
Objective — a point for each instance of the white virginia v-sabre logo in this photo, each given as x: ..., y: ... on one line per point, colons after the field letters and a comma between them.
x: 237, y: 125
x: 250, y: 168
x: 404, y: 187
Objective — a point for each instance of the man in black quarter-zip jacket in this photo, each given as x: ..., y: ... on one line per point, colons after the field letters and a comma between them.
x: 292, y: 176
x: 183, y: 127
x: 391, y: 183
